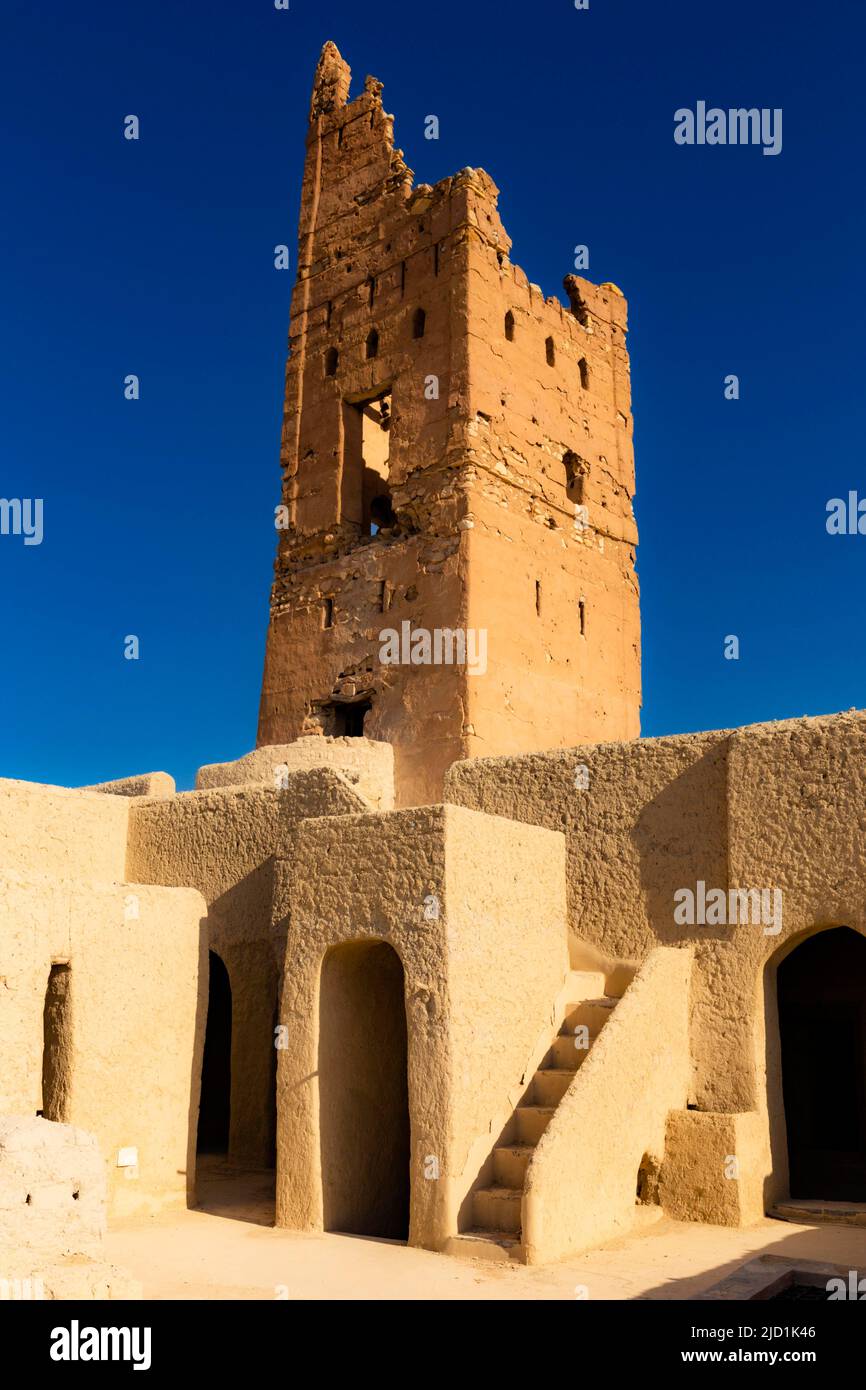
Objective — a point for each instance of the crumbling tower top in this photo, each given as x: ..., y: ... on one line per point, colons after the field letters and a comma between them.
x: 332, y: 81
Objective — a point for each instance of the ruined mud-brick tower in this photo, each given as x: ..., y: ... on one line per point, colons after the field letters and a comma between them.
x: 457, y: 454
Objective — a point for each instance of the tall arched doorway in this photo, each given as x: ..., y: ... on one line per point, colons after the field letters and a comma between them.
x: 822, y: 1027
x: 363, y: 1091
x: 216, y: 1070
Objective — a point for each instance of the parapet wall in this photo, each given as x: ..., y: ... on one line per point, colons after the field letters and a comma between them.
x: 55, y: 830
x: 156, y: 784
x: 367, y: 765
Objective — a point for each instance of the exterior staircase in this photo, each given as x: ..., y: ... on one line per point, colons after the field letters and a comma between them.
x: 496, y: 1209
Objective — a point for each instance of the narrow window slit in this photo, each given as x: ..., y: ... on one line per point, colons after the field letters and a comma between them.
x: 57, y: 1044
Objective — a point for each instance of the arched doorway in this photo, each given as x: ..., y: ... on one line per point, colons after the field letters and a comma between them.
x: 363, y: 1091
x: 216, y: 1070
x: 822, y: 1028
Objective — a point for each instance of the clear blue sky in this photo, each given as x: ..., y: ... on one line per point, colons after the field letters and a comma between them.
x: 156, y: 258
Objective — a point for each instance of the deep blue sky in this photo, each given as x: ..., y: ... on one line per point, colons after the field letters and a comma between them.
x: 156, y: 257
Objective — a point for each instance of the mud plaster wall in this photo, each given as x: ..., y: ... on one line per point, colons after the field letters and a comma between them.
x: 797, y: 808
x: 776, y: 806
x: 368, y: 766
x: 695, y: 1182
x: 52, y: 1215
x: 366, y: 878
x: 143, y: 784
x: 508, y: 957
x: 222, y: 842
x: 355, y: 878
x: 53, y: 830
x: 52, y: 1191
x: 477, y: 476
x: 137, y: 987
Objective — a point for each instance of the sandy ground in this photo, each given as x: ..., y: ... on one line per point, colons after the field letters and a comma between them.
x: 226, y: 1249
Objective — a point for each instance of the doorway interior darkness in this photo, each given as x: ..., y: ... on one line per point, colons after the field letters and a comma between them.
x: 216, y: 1071
x: 363, y: 1091
x: 822, y: 1024
x: 345, y: 718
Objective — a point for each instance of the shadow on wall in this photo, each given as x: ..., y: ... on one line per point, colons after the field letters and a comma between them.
x: 240, y: 1192
x: 681, y: 837
x: 195, y: 1070
x: 241, y: 937
x: 363, y: 1091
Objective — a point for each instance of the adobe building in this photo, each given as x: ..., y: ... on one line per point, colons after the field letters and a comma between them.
x: 494, y: 1005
